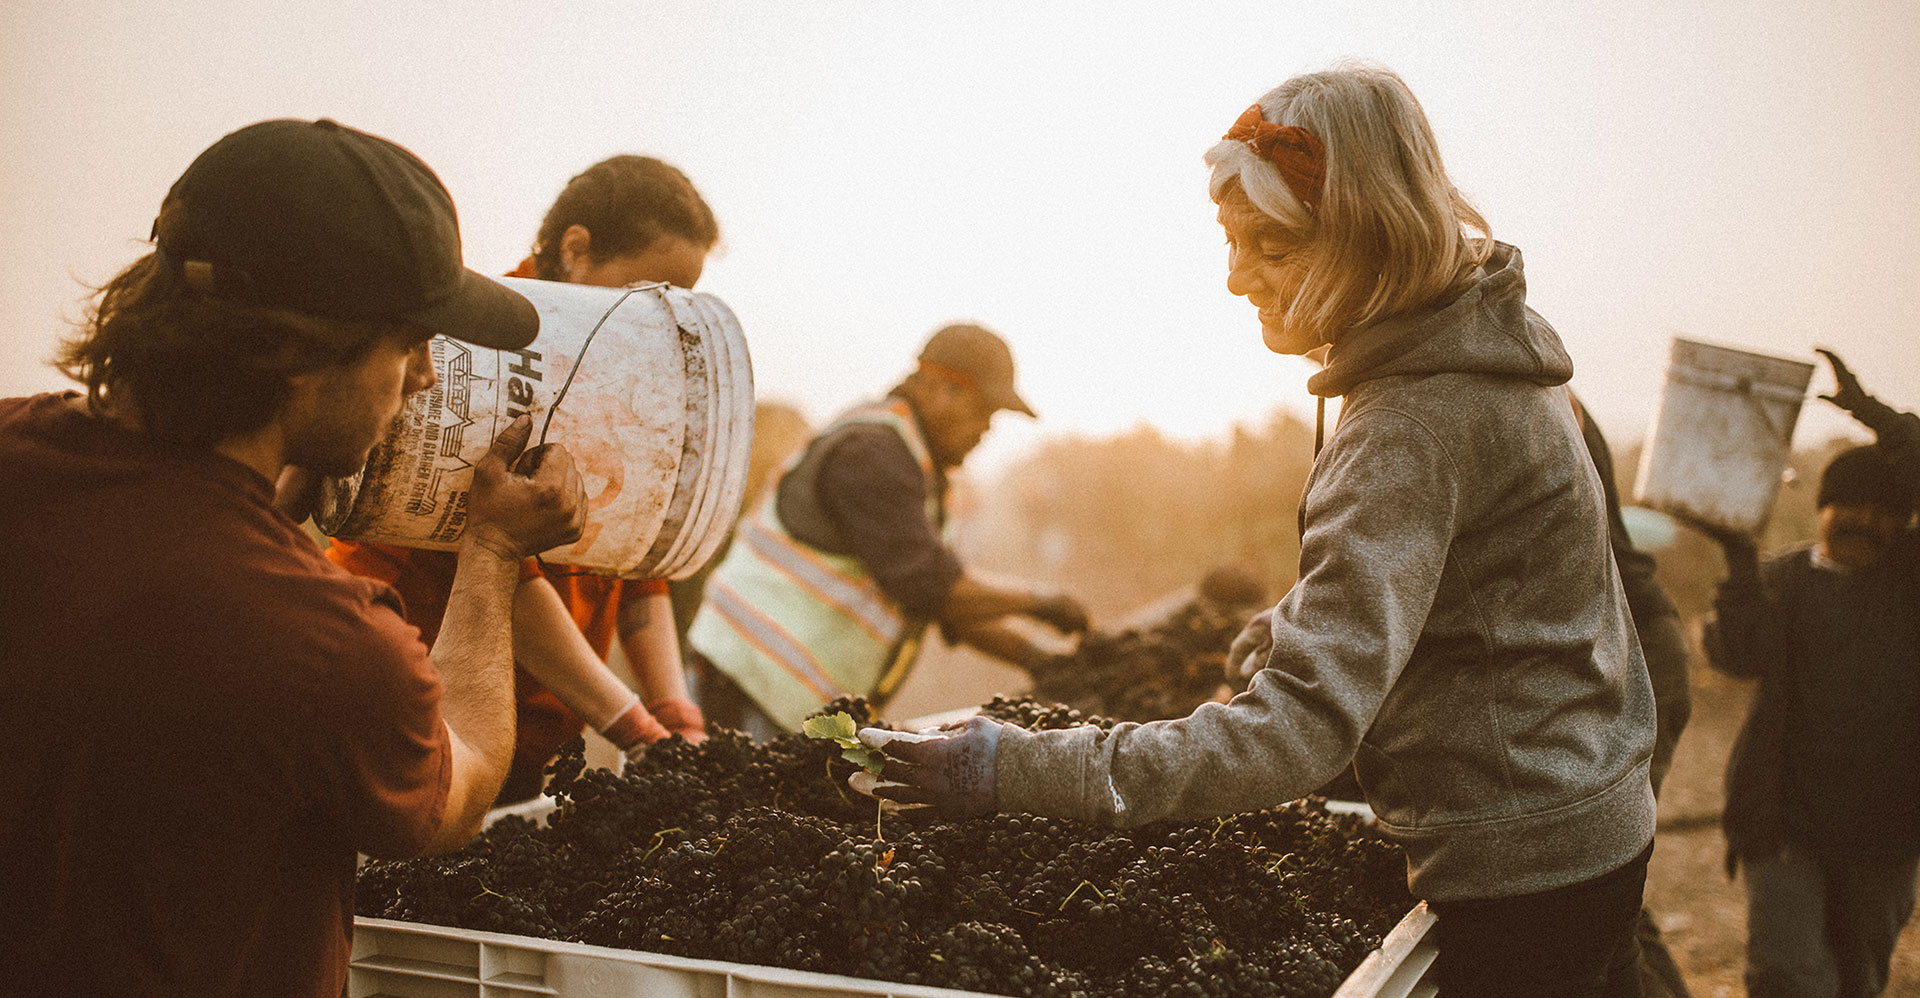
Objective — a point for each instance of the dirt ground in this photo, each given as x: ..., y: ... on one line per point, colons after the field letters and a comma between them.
x: 1702, y: 914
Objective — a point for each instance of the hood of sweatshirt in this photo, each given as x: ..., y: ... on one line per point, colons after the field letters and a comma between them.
x: 1488, y: 329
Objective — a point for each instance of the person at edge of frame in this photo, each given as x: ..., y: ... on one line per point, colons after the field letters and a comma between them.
x: 204, y: 719
x: 1823, y: 795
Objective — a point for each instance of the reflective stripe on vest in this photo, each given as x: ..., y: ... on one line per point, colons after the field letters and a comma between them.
x: 796, y: 626
x: 809, y: 571
x: 772, y: 640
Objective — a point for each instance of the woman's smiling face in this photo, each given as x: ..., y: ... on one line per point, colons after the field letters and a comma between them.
x: 1266, y: 266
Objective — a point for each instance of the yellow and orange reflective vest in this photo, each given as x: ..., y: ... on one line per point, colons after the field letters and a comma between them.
x: 795, y: 626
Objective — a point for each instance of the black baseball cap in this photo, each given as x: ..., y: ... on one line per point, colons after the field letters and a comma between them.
x: 983, y: 357
x: 1865, y: 475
x: 330, y: 221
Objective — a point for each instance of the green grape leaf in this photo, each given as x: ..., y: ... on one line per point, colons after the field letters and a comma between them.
x: 865, y: 758
x: 838, y: 726
x: 840, y: 729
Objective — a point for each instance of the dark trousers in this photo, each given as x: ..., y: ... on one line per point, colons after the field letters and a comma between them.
x: 1823, y: 927
x: 1660, y: 976
x: 1570, y: 942
x: 724, y: 703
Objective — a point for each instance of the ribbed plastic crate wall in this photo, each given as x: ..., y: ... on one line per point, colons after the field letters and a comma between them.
x: 406, y: 960
x: 1403, y: 965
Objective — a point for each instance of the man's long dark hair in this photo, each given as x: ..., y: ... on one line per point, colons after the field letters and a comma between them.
x: 195, y: 369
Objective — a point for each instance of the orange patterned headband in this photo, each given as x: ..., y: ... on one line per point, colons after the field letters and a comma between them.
x: 1301, y: 158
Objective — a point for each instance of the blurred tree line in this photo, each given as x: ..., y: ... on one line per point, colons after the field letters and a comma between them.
x: 1124, y: 520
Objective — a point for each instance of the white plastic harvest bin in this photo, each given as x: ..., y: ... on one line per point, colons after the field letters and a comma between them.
x: 410, y: 960
x: 407, y: 960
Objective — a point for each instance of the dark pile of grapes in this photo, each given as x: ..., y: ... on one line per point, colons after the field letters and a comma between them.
x: 1162, y: 670
x: 757, y: 853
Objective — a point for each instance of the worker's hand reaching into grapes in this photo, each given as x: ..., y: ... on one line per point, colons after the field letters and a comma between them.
x: 951, y: 768
x: 1062, y: 613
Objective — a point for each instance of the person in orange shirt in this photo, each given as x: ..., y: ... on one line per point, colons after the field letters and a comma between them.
x: 625, y: 220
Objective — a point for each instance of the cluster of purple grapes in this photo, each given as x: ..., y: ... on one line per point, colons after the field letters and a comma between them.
x: 757, y: 853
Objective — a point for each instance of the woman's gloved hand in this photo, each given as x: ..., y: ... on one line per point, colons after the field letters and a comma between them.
x: 1248, y: 653
x: 951, y: 768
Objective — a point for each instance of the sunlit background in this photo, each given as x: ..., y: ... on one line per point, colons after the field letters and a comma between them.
x: 1740, y: 174
x: 1736, y: 172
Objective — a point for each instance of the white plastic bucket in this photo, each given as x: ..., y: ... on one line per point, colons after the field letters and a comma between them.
x: 1722, y: 434
x: 650, y: 389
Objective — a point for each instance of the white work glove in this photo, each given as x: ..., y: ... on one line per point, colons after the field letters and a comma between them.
x: 680, y: 716
x: 632, y: 730
x: 1248, y: 653
x: 950, y: 768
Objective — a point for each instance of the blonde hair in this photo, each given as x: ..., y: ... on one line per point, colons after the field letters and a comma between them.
x: 1390, y: 232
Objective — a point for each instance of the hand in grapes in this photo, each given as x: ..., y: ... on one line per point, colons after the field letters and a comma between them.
x: 953, y: 770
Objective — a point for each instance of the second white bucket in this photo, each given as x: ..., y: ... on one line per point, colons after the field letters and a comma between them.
x: 651, y: 390
x: 1722, y: 434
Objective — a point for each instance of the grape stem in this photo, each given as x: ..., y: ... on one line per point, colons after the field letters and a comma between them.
x: 659, y: 838
x: 1076, y: 890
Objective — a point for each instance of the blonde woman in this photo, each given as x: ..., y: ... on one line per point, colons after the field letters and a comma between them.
x: 1458, y: 630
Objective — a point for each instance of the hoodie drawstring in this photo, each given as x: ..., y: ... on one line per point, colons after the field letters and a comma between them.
x: 1319, y: 424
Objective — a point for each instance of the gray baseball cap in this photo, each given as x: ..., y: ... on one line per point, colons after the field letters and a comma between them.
x: 983, y: 357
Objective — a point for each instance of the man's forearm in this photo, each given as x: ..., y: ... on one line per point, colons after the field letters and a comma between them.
x: 1001, y: 642
x: 972, y: 601
x: 474, y: 654
x: 1740, y: 634
x: 1898, y: 434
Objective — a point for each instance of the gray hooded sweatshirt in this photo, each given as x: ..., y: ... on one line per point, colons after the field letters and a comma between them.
x: 1458, y: 630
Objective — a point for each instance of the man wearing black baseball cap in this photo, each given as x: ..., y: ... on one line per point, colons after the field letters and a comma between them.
x: 829, y: 586
x: 204, y: 719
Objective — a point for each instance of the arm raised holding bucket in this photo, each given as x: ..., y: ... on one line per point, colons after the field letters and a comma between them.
x: 1898, y: 433
x: 286, y: 716
x: 513, y: 516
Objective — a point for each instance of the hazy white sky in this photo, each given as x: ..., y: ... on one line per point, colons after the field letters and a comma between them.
x: 1735, y: 172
